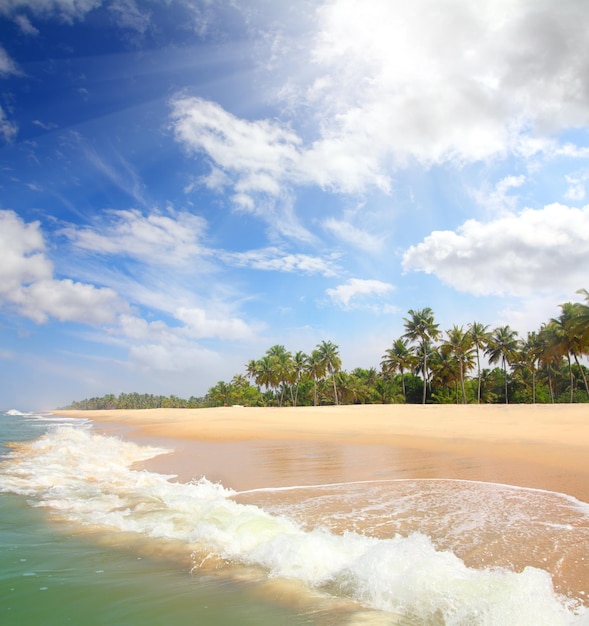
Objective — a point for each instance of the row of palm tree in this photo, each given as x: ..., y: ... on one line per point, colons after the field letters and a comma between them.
x: 441, y: 362
x: 422, y: 365
x: 279, y: 370
x: 134, y: 400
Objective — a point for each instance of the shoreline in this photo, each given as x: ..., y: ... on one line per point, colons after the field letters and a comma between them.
x: 535, y: 446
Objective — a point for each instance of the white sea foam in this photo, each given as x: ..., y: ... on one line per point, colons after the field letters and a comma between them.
x: 89, y: 479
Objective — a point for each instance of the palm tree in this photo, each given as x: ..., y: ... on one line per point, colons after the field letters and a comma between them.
x: 299, y: 361
x: 398, y: 358
x: 530, y: 353
x: 460, y: 345
x: 502, y: 346
x: 330, y: 359
x: 548, y: 359
x: 281, y: 365
x: 580, y: 325
x: 568, y: 342
x: 420, y: 328
x: 265, y: 372
x: 480, y: 337
x: 445, y: 370
x: 251, y: 369
x: 316, y: 369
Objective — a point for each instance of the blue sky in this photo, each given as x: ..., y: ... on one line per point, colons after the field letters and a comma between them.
x: 186, y: 183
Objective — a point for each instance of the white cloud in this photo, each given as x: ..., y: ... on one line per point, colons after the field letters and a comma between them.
x: 156, y: 346
x: 572, y: 151
x: 576, y: 189
x: 25, y: 25
x: 183, y: 358
x: 259, y: 153
x: 199, y: 324
x: 7, y: 65
x: 157, y: 239
x: 65, y: 10
x: 128, y: 15
x: 273, y: 259
x: 354, y: 236
x: 23, y: 253
x: 265, y: 156
x: 8, y: 129
x: 360, y: 292
x: 68, y: 301
x: 27, y: 283
x: 438, y: 81
x: 519, y: 254
x: 500, y: 200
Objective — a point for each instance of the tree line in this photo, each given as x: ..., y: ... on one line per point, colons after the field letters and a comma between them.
x: 423, y: 365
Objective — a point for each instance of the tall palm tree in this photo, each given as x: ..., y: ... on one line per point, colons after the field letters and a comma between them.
x: 316, y: 370
x: 548, y: 359
x: 530, y: 353
x: 282, y: 367
x: 460, y: 345
x: 580, y: 325
x: 569, y: 342
x: 299, y: 361
x: 251, y: 369
x: 502, y: 346
x: 329, y: 357
x: 445, y: 370
x: 480, y: 337
x: 398, y: 358
x: 265, y: 375
x: 421, y: 329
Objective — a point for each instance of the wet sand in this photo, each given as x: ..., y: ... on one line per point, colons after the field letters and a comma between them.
x: 538, y: 446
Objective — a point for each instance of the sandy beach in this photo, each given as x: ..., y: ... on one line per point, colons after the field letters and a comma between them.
x: 538, y: 446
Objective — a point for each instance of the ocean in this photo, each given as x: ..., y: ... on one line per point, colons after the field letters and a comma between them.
x: 89, y: 536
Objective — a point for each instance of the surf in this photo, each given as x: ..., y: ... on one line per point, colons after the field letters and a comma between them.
x: 91, y: 480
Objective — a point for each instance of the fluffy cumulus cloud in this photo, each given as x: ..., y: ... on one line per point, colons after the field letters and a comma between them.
x: 390, y: 84
x: 517, y: 254
x: 199, y: 324
x: 438, y: 80
x: 265, y: 157
x: 357, y: 293
x: 157, y: 346
x: 27, y: 283
x: 169, y: 239
x: 260, y: 154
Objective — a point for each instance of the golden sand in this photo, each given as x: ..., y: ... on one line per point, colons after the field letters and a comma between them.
x: 540, y: 446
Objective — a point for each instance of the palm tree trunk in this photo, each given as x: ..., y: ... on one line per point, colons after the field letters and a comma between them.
x: 572, y: 380
x: 505, y: 378
x: 582, y: 372
x: 479, y: 376
x: 424, y: 375
x: 462, y: 383
x: 334, y: 388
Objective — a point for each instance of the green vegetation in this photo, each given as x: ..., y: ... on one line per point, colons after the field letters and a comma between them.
x: 424, y: 365
x: 134, y: 401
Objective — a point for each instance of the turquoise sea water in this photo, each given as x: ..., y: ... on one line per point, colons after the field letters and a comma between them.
x: 52, y: 573
x: 86, y: 539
